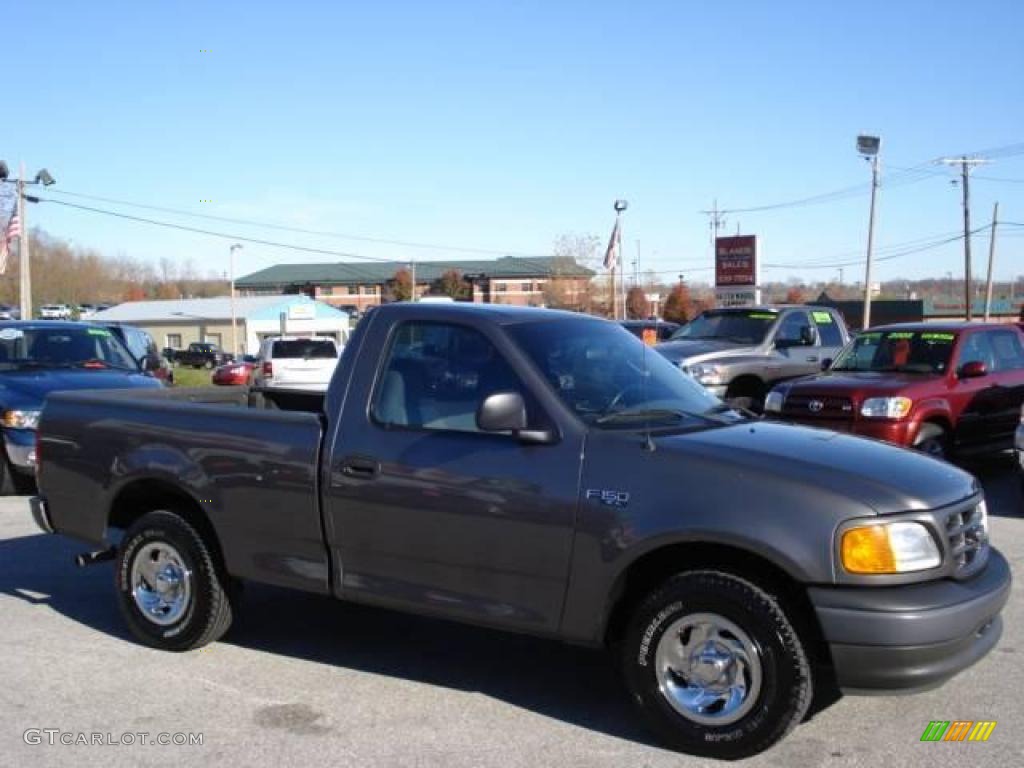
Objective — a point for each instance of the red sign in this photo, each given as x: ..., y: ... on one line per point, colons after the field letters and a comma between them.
x: 736, y: 260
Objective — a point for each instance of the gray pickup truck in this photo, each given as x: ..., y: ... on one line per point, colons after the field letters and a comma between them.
x: 545, y: 473
x: 739, y: 354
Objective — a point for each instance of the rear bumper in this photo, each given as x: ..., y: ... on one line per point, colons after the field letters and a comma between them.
x: 909, y: 638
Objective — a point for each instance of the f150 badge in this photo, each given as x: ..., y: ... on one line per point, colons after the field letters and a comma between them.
x: 609, y: 498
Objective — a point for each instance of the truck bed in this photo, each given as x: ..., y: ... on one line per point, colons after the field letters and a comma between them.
x: 248, y: 458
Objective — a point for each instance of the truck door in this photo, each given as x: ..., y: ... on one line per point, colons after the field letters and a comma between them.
x: 830, y: 336
x: 426, y: 512
x: 796, y: 346
x: 1008, y: 372
x: 979, y: 396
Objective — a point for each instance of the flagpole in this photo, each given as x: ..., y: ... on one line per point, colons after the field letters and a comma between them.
x: 24, y: 266
x: 614, y: 295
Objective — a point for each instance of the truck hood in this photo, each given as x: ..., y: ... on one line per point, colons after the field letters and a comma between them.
x: 886, y: 478
x: 28, y: 389
x: 866, y: 383
x: 680, y: 350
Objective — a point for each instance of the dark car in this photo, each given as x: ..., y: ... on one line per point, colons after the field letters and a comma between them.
x: 942, y: 388
x: 544, y: 473
x: 202, y: 354
x: 144, y: 349
x: 650, y: 331
x: 40, y: 357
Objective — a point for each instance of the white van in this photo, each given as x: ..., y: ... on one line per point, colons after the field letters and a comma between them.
x: 296, y: 362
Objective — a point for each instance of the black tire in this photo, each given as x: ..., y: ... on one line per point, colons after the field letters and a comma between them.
x: 777, y: 704
x: 209, y: 610
x: 13, y: 482
x: 748, y: 395
x: 932, y: 439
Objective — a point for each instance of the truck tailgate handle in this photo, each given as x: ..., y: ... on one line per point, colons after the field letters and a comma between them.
x: 363, y: 467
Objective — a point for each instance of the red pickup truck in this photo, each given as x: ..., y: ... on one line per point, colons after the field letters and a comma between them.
x: 950, y: 388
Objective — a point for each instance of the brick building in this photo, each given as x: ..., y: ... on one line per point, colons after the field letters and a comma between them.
x: 359, y: 285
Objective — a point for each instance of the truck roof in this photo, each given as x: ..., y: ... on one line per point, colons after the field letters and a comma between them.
x: 951, y: 326
x: 502, y: 314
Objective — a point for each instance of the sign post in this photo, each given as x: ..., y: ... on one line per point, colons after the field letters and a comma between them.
x: 736, y: 271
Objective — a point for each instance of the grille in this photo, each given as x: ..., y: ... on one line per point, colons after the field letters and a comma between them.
x: 968, y: 539
x: 818, y: 406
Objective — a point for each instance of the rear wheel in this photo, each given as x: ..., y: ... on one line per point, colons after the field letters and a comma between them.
x: 715, y: 667
x: 933, y: 440
x: 172, y: 589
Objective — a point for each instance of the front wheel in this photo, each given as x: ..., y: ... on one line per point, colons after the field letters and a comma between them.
x: 715, y: 667
x: 171, y: 588
x: 932, y: 440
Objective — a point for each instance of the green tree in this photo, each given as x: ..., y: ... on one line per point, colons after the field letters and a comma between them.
x: 401, y: 285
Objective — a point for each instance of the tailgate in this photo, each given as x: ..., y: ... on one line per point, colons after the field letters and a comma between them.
x: 299, y: 371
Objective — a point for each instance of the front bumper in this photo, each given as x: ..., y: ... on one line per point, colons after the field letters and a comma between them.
x: 890, y: 431
x: 20, y: 445
x: 41, y: 514
x: 909, y: 638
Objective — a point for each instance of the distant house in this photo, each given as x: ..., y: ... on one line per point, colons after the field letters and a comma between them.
x: 360, y: 285
x: 180, y: 322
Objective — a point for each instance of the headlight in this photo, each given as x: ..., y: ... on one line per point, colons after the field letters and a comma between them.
x: 773, y: 403
x: 889, y: 548
x: 704, y: 373
x: 886, y: 407
x: 28, y: 419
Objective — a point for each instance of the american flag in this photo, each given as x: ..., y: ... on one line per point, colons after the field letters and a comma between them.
x: 611, y: 256
x: 12, y: 231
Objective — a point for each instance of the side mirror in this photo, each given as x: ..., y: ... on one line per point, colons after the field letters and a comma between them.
x: 506, y: 412
x: 808, y: 335
x: 826, y: 363
x: 973, y: 370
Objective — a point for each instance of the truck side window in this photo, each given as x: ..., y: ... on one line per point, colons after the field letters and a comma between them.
x: 976, y: 349
x: 436, y: 376
x: 1007, y: 350
x: 828, y: 329
x: 791, y: 328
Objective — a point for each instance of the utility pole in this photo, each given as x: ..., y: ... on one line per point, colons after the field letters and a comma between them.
x: 234, y: 321
x: 991, y: 258
x: 967, y: 164
x: 716, y: 220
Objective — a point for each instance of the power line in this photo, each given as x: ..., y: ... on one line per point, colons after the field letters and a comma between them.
x: 1000, y: 179
x: 244, y: 238
x: 287, y: 228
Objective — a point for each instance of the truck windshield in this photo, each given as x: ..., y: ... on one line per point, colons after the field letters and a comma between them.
x: 743, y: 327
x: 25, y: 348
x: 611, y: 380
x: 305, y: 349
x: 901, y: 351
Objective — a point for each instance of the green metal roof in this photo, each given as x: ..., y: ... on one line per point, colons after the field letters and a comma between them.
x: 369, y: 273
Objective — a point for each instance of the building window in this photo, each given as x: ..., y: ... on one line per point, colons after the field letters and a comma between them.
x: 499, y: 287
x: 353, y: 290
x: 173, y: 340
x: 212, y: 338
x: 526, y: 287
x: 374, y: 289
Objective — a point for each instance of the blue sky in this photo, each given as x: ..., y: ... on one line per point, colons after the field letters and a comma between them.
x: 500, y: 125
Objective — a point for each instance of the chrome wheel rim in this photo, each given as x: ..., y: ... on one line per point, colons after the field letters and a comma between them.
x: 708, y: 669
x: 161, y: 583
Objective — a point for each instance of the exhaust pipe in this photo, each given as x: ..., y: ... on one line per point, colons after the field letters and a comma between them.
x: 99, y: 556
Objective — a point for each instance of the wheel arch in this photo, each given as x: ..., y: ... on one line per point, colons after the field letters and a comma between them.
x: 147, y: 494
x: 652, y: 568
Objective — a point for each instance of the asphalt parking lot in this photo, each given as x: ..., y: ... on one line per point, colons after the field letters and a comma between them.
x: 302, y: 680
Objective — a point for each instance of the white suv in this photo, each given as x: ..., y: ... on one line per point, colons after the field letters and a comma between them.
x: 294, y: 362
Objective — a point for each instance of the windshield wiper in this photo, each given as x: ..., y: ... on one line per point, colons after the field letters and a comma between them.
x: 643, y: 415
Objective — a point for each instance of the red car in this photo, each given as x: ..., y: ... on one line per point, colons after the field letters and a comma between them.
x: 951, y: 388
x: 235, y: 374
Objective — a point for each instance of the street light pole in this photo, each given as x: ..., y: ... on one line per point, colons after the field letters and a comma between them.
x: 869, y: 146
x: 234, y: 324
x: 25, y: 259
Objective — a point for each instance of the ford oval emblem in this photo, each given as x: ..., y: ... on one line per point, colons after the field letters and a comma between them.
x: 815, y: 406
